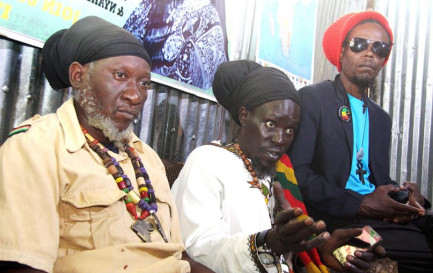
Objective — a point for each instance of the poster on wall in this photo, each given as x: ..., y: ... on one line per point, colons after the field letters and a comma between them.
x: 186, y: 39
x: 286, y: 39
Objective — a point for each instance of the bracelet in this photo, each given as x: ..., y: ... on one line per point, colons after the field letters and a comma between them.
x: 261, y: 255
x: 261, y: 238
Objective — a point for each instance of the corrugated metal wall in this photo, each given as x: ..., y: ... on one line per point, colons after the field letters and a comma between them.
x: 408, y: 91
x: 405, y: 85
x: 172, y: 122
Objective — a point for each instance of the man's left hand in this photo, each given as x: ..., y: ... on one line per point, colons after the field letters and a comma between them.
x: 415, y: 200
x: 415, y: 197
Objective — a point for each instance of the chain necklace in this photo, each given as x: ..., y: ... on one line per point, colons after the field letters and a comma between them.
x: 146, y: 201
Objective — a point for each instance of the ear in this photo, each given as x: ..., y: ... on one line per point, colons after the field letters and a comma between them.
x: 76, y: 74
x: 343, y: 49
x: 243, y: 116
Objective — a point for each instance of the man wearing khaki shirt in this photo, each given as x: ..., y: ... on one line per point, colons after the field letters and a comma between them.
x: 78, y: 190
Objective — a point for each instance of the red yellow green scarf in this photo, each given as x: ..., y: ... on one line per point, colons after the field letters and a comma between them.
x: 286, y: 176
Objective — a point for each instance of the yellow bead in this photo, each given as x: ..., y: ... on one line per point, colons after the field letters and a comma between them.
x: 134, y: 197
x: 119, y: 179
x: 144, y: 189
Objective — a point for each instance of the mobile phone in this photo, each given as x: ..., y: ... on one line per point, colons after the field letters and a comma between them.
x: 368, y: 239
x: 399, y: 196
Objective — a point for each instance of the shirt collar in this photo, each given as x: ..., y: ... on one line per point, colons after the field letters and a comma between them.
x: 74, y: 138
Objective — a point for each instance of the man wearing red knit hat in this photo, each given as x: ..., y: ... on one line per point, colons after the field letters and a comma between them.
x: 341, y: 150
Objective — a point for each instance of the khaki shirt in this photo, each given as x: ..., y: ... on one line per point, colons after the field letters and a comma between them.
x: 61, y: 211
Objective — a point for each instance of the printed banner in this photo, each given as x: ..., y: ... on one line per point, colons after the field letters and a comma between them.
x: 186, y: 40
x: 287, y: 31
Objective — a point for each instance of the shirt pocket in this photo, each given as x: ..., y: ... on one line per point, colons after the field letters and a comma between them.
x: 94, y: 219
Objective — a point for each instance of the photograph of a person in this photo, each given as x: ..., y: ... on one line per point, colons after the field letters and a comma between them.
x: 185, y: 39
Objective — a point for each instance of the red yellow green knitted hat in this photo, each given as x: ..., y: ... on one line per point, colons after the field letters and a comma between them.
x: 336, y: 33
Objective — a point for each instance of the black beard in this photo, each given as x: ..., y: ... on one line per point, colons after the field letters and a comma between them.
x: 363, y: 83
x: 262, y: 171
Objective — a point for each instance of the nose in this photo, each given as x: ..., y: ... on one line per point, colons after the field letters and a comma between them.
x: 279, y: 137
x: 369, y: 50
x: 135, y: 93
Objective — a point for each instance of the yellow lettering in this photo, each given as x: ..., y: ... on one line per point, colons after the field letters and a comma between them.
x: 48, y: 6
x: 32, y: 2
x: 6, y: 11
x: 67, y: 13
x: 77, y: 13
x: 58, y: 9
x: 29, y: 2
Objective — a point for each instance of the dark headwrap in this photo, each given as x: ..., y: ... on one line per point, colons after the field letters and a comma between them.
x: 89, y: 39
x: 246, y: 83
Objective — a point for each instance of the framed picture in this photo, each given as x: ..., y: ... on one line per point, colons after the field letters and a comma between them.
x: 186, y: 39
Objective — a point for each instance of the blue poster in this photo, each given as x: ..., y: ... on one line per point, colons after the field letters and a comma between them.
x: 287, y: 30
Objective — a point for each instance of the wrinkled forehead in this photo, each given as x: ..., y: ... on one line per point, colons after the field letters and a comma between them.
x: 129, y: 62
x: 279, y: 108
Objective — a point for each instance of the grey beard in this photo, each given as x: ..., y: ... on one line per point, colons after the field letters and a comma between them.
x: 263, y: 171
x: 109, y: 130
x: 88, y: 102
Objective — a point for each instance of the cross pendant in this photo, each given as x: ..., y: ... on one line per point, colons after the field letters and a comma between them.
x: 360, y: 171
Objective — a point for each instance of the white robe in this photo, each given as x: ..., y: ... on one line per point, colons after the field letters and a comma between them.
x: 218, y: 209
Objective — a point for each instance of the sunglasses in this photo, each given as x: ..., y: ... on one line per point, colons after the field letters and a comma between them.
x: 381, y: 49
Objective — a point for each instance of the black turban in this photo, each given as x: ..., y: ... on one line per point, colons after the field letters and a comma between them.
x: 246, y: 83
x: 89, y: 39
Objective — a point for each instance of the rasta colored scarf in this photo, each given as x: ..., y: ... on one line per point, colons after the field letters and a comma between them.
x: 286, y: 176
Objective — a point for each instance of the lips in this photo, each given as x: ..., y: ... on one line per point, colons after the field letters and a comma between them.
x: 129, y: 112
x: 368, y: 65
x: 274, y: 155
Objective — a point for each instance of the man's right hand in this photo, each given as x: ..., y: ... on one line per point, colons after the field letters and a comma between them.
x: 293, y: 231
x: 379, y: 205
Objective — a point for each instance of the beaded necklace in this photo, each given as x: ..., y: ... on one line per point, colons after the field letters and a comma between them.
x: 147, y: 200
x: 255, y: 183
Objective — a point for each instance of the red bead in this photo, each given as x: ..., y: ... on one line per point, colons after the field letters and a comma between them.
x: 144, y: 214
x: 121, y: 185
x: 144, y: 194
x: 132, y: 210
